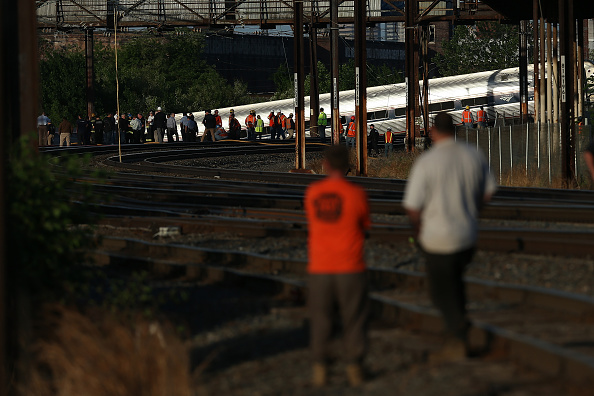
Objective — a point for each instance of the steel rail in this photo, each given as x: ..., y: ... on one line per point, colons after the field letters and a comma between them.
x: 552, y: 345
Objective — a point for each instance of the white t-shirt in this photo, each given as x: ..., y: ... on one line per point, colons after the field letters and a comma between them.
x: 448, y: 184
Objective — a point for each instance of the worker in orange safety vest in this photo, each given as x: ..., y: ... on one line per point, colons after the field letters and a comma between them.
x: 351, y: 133
x: 389, y: 145
x: 481, y: 118
x: 250, y: 123
x: 467, y: 118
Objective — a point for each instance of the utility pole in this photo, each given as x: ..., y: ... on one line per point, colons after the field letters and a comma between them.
x: 535, y: 61
x: 523, y: 71
x: 411, y: 49
x: 90, y: 69
x: 314, y: 92
x: 335, y: 99
x: 299, y: 73
x: 361, y: 86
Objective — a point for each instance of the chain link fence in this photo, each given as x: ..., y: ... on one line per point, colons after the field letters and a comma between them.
x: 526, y: 151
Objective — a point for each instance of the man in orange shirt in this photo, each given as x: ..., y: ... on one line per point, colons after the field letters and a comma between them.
x: 338, y: 215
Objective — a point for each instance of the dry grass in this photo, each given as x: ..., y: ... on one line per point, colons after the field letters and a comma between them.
x: 99, y: 356
x: 399, y: 164
x: 396, y: 167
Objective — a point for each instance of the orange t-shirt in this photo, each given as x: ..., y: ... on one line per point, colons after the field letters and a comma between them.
x: 338, y: 215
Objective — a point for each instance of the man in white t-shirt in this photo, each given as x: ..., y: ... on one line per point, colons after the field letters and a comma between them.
x: 446, y: 189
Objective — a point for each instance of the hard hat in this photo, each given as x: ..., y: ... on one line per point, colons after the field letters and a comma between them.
x: 231, y: 111
x: 278, y: 111
x: 353, y: 118
x: 467, y: 107
x: 159, y: 108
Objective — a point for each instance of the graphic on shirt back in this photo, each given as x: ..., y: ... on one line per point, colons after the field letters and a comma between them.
x: 328, y: 207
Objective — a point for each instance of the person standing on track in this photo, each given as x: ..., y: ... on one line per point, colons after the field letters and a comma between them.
x: 322, y: 122
x: 467, y: 118
x: 210, y: 125
x: 272, y: 125
x: 338, y: 216
x: 447, y: 187
x: 172, y: 129
x: 250, y: 123
x: 219, y: 120
x: 259, y: 128
x: 290, y: 122
x: 351, y: 133
x: 109, y: 129
x: 42, y: 133
x: 65, y: 132
x: 160, y: 125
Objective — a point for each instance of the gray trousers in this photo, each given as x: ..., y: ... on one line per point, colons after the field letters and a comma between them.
x: 349, y: 293
x: 159, y: 135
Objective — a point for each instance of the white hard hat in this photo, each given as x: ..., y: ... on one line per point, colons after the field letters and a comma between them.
x: 159, y: 109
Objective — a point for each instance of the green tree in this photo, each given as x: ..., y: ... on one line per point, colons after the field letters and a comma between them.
x: 484, y: 46
x: 62, y: 82
x: 283, y: 83
x: 153, y: 71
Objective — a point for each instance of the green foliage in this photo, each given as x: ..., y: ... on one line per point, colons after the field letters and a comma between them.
x: 45, y: 240
x: 62, y: 82
x: 153, y: 71
x: 484, y: 46
x: 283, y: 82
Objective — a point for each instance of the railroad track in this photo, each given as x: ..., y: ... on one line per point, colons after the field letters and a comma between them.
x: 543, y: 329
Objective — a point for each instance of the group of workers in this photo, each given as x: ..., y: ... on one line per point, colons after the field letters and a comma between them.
x: 447, y: 187
x: 481, y: 118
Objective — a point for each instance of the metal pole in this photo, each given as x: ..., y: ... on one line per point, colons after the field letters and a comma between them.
x: 571, y: 93
x: 412, y: 72
x: 535, y: 61
x: 314, y: 92
x: 538, y: 144
x: 489, y: 129
x: 336, y: 124
x: 361, y: 86
x: 565, y: 133
x: 549, y: 144
x: 555, y: 81
x: 90, y: 72
x: 500, y: 157
x: 542, y: 89
x: 523, y: 71
x: 511, y: 152
x: 580, y: 68
x: 549, y: 74
x: 299, y: 85
x: 574, y: 62
x: 425, y: 48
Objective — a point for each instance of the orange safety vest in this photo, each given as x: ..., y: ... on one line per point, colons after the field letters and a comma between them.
x: 250, y: 121
x: 389, y: 137
x: 352, y: 130
x: 283, y: 121
x: 271, y: 118
x: 219, y: 121
x: 466, y: 116
x: 481, y: 116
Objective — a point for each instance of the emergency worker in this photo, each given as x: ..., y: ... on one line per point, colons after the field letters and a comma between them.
x: 183, y: 124
x: 65, y: 131
x: 277, y: 125
x: 283, y: 124
x: 447, y: 187
x: 259, y: 129
x: 191, y: 128
x: 109, y: 129
x: 338, y: 216
x: 98, y: 126
x: 271, y: 127
x: 290, y: 122
x: 151, y: 126
x: 159, y: 125
x: 322, y: 122
x: 373, y: 140
x: 137, y: 128
x: 351, y: 133
x: 482, y: 118
x: 389, y: 145
x: 172, y: 128
x: 250, y: 123
x: 234, y: 128
x: 83, y: 130
x: 221, y: 133
x: 218, y: 118
x: 467, y: 118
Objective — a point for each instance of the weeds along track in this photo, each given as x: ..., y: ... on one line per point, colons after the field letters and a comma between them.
x: 549, y: 331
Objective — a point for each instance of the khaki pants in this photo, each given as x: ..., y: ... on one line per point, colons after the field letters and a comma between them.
x: 349, y: 293
x: 64, y: 139
x: 290, y: 133
x: 42, y: 132
x: 50, y: 137
x: 212, y: 133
